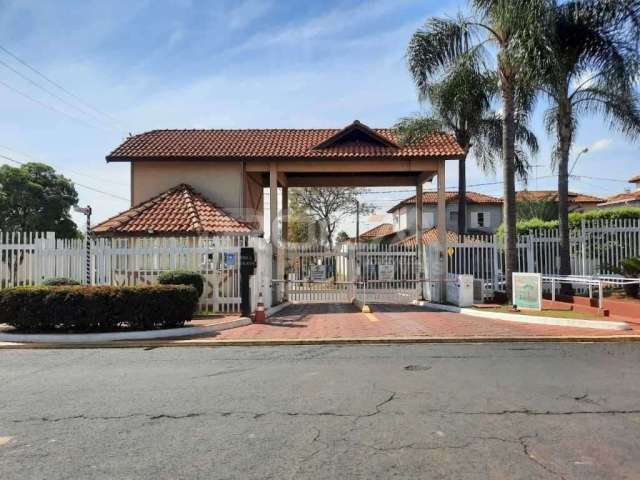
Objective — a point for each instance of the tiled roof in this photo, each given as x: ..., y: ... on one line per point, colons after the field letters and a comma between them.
x: 178, y: 211
x: 428, y: 236
x: 622, y: 198
x: 635, y: 179
x: 377, y: 231
x: 535, y: 195
x: 280, y: 143
x: 432, y: 198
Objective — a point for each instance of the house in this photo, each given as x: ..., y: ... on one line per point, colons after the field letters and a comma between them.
x: 578, y: 202
x: 630, y: 198
x: 183, y: 178
x: 484, y: 213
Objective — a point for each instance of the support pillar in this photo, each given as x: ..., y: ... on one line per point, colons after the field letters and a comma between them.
x: 419, y: 244
x: 285, y: 237
x: 442, y: 230
x: 274, y: 233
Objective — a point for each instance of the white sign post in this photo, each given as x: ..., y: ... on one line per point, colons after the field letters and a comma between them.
x: 527, y: 290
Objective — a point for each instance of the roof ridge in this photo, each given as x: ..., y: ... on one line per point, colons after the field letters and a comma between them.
x: 192, y: 207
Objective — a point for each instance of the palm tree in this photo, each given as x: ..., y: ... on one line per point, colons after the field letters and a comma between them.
x: 595, y: 65
x: 516, y: 30
x: 461, y: 105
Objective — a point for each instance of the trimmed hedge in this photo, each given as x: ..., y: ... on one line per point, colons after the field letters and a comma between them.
x: 182, y: 277
x: 97, y: 309
x: 575, y: 219
x: 59, y: 282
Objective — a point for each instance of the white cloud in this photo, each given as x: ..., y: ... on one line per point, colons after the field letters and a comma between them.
x: 602, y: 144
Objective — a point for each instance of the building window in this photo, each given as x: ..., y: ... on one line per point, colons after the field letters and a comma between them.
x: 428, y: 220
x: 453, y: 217
x: 480, y: 220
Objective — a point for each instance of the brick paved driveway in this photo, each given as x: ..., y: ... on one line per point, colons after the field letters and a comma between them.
x: 343, y: 320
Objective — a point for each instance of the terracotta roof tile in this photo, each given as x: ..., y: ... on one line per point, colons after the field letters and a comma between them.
x: 432, y: 198
x: 635, y: 179
x: 287, y: 143
x: 377, y: 231
x: 428, y: 236
x: 624, y: 197
x: 178, y: 211
x: 574, y: 197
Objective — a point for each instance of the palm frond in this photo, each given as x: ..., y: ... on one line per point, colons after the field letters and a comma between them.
x: 411, y: 129
x: 436, y: 46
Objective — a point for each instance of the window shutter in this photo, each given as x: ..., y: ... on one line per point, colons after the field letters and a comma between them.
x: 487, y: 219
x: 474, y: 219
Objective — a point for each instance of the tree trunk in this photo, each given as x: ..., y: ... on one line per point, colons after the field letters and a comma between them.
x: 565, y: 138
x: 462, y: 194
x: 508, y: 173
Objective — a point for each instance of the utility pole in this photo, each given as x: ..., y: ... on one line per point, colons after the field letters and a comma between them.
x: 87, y: 212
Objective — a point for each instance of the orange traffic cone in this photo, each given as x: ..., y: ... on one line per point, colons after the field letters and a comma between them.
x: 260, y: 315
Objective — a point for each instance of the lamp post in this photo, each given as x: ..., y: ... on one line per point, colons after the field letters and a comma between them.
x: 86, y: 211
x: 583, y: 151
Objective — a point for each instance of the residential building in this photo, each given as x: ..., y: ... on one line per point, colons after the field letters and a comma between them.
x: 628, y: 198
x: 484, y: 213
x: 578, y: 202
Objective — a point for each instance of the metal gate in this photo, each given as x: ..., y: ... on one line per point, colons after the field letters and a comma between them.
x: 370, y: 272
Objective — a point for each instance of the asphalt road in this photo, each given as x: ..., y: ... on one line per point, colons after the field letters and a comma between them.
x: 498, y: 411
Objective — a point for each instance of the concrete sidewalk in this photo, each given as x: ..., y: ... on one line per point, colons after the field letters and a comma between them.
x: 342, y: 323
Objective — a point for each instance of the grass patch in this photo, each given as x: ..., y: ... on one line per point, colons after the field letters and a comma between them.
x: 552, y: 313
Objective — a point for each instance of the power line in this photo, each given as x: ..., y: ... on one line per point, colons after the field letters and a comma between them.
x: 75, y: 172
x: 57, y: 85
x: 49, y: 107
x: 93, y: 189
x: 46, y: 90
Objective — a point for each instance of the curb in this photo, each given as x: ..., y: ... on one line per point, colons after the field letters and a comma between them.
x: 103, y: 338
x: 322, y: 341
x: 532, y: 319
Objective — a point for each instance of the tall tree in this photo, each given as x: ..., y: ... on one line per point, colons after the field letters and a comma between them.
x: 330, y: 205
x: 594, y: 70
x: 516, y: 31
x: 460, y: 104
x: 33, y: 197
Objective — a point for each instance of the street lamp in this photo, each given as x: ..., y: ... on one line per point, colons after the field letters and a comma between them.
x: 86, y: 211
x: 583, y: 151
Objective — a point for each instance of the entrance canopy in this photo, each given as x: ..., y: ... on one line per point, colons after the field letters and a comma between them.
x: 354, y: 156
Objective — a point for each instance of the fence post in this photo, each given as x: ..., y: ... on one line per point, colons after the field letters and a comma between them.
x: 583, y: 247
x: 530, y: 254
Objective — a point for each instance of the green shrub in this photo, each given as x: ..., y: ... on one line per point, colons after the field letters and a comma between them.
x: 630, y: 268
x: 100, y: 308
x: 59, y: 281
x: 182, y: 277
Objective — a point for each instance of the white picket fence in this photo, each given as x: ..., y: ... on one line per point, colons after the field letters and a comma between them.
x: 29, y: 259
x: 595, y: 247
x: 390, y: 272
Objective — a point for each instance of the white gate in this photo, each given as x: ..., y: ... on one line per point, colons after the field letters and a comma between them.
x: 315, y: 273
x: 370, y: 272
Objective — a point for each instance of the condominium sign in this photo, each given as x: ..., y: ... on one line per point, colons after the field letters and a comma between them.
x: 527, y: 290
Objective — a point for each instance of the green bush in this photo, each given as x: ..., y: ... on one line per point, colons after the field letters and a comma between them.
x: 630, y: 268
x: 182, y: 277
x: 575, y: 219
x: 59, y: 282
x: 100, y: 308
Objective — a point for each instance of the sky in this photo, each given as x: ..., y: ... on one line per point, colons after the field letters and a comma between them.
x: 133, y: 66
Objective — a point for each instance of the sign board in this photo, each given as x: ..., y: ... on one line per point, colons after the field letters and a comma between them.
x: 372, y: 271
x: 386, y: 272
x: 318, y: 273
x: 527, y: 290
x: 230, y: 259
